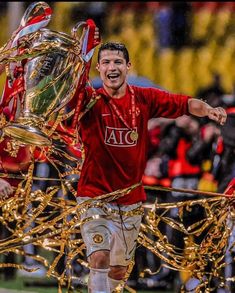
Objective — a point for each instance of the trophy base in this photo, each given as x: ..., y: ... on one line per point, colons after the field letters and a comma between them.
x: 27, y: 134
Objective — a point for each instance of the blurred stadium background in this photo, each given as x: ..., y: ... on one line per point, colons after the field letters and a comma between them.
x: 176, y: 45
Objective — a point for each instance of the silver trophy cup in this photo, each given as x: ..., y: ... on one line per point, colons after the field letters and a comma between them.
x: 52, y: 69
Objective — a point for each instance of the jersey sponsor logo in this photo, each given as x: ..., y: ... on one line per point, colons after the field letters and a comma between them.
x: 119, y: 137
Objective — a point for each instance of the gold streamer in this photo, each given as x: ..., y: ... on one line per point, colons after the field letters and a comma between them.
x: 52, y: 223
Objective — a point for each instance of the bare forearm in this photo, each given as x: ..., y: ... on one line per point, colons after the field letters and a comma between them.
x: 198, y: 108
x: 201, y: 109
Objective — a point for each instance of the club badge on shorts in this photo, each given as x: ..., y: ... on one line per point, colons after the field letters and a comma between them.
x: 98, y: 238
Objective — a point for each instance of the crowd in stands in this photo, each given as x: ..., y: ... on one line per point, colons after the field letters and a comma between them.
x: 192, y: 154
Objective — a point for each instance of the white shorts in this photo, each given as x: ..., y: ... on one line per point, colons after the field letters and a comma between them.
x: 105, y: 229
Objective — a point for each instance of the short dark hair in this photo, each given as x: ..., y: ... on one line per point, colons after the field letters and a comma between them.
x: 114, y: 47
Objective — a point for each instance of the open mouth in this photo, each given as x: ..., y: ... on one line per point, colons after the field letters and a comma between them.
x: 113, y: 76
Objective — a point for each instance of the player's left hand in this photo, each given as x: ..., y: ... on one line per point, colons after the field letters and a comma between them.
x: 218, y: 114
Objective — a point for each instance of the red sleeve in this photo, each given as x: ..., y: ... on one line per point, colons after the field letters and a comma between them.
x: 164, y: 104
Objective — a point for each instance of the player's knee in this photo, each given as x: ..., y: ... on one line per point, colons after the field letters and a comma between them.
x: 117, y: 272
x: 99, y: 259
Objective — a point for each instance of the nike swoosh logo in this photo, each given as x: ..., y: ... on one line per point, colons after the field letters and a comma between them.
x: 106, y: 114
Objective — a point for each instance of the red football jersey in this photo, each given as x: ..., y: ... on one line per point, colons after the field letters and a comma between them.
x: 112, y: 159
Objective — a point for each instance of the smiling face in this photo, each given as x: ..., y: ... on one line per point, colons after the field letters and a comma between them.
x: 113, y: 69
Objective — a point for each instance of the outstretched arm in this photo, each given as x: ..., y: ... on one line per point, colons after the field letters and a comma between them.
x: 202, y: 109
